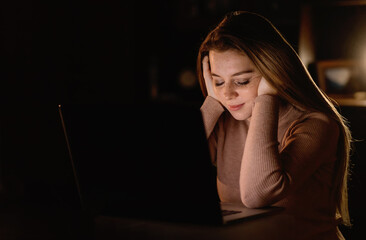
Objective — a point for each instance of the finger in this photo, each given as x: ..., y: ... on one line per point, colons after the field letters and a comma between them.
x: 208, y: 77
x: 266, y: 88
x: 205, y: 59
x: 206, y: 68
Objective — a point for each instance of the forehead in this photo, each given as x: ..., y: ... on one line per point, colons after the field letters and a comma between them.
x: 229, y: 60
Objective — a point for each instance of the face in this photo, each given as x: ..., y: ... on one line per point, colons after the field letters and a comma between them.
x: 235, y: 81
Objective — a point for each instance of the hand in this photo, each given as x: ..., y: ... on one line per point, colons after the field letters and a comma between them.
x: 208, y: 77
x: 266, y: 88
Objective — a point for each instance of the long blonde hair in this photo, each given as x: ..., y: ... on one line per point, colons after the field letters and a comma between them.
x: 280, y: 65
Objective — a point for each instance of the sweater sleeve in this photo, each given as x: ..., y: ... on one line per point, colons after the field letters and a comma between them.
x: 267, y: 175
x: 211, y: 111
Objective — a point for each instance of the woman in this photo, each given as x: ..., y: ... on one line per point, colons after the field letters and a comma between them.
x: 274, y: 136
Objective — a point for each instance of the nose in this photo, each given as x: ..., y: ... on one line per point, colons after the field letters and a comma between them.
x: 229, y: 92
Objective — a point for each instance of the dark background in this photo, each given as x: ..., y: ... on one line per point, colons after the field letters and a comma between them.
x: 113, y: 51
x: 57, y: 52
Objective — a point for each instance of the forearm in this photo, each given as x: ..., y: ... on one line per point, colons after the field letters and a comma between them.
x: 262, y: 179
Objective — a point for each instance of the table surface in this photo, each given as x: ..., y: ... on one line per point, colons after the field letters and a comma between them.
x: 274, y: 226
x: 24, y: 223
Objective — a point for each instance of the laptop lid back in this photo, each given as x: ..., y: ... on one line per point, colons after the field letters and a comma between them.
x: 142, y: 161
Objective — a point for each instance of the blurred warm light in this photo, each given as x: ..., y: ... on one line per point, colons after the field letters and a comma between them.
x: 187, y: 78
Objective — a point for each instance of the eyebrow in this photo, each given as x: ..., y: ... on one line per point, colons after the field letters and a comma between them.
x: 235, y: 74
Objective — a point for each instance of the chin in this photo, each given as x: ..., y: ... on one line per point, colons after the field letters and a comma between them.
x: 240, y: 117
x: 244, y: 113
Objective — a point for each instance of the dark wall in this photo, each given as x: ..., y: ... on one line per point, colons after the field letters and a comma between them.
x: 112, y: 51
x: 69, y: 51
x: 356, y: 117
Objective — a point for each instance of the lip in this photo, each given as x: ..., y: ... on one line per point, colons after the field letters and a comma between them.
x: 235, y: 107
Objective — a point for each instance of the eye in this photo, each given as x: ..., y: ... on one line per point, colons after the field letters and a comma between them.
x: 242, y: 82
x: 218, y: 83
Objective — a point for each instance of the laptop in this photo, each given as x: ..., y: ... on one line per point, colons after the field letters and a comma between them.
x: 145, y: 161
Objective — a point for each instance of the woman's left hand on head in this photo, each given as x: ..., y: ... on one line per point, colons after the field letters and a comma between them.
x: 265, y: 87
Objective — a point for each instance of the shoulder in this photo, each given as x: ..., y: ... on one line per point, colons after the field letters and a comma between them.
x: 319, y: 118
x: 316, y: 123
x: 313, y: 135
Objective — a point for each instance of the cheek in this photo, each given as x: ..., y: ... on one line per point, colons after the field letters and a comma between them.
x: 249, y: 93
x: 219, y: 92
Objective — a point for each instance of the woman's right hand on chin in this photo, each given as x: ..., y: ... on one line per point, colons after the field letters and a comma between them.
x: 208, y: 77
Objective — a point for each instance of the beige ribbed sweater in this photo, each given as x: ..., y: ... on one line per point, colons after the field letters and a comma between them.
x: 282, y: 156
